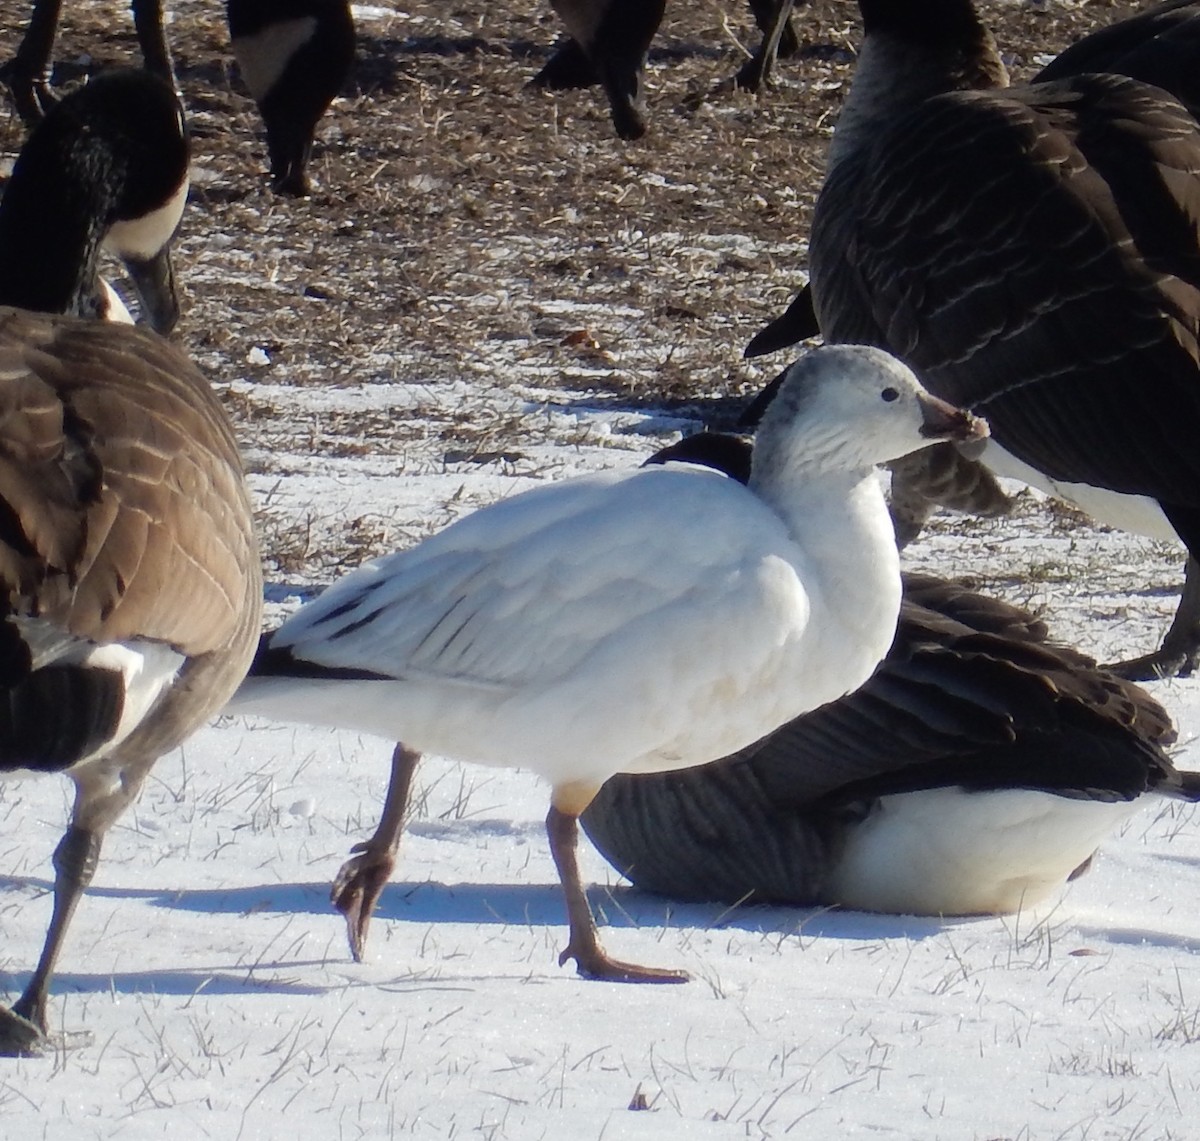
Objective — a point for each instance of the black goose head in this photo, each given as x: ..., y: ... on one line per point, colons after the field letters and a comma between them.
x: 106, y: 169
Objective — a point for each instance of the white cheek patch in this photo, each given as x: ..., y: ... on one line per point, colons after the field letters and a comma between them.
x: 263, y: 55
x: 142, y: 238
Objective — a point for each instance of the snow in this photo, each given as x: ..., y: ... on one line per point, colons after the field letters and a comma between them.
x: 215, y: 981
x: 213, y: 976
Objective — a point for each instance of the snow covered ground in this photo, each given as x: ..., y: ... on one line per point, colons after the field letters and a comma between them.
x: 206, y: 962
x: 215, y: 979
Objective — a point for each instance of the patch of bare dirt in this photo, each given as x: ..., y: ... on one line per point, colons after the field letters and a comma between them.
x: 470, y: 231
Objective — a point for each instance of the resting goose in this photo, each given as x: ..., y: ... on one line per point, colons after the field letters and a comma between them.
x: 622, y: 622
x: 28, y: 72
x: 121, y: 494
x: 974, y: 773
x: 1031, y: 253
x: 106, y: 170
x: 294, y: 56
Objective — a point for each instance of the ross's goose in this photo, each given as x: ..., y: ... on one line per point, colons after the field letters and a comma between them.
x: 625, y: 622
x: 1032, y: 253
x: 975, y: 772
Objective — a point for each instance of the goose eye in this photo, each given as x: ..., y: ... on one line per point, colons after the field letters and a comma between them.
x: 890, y: 394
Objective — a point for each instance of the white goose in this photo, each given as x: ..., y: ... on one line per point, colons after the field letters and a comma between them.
x: 625, y: 622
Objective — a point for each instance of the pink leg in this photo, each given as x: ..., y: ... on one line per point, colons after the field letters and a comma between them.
x: 362, y: 878
x: 562, y: 828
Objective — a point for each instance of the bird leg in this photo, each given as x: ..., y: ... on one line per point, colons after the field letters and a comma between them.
x: 28, y: 72
x: 757, y: 70
x: 562, y: 828
x: 23, y: 1029
x: 152, y: 38
x: 361, y: 879
x: 1180, y: 650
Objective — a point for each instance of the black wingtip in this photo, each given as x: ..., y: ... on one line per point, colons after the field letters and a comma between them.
x: 797, y: 323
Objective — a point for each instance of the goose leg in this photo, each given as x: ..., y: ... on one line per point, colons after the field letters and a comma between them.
x: 23, y: 1029
x: 28, y: 72
x: 757, y: 70
x: 361, y: 879
x: 152, y: 38
x: 1180, y: 651
x: 562, y: 828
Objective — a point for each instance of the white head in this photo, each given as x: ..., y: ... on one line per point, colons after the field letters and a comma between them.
x: 850, y: 407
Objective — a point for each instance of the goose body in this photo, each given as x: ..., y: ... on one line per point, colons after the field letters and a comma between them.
x: 609, y: 40
x: 122, y: 493
x: 1030, y: 252
x: 294, y: 57
x: 595, y: 626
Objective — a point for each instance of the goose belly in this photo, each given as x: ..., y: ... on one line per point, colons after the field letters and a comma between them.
x: 949, y: 851
x: 1137, y: 513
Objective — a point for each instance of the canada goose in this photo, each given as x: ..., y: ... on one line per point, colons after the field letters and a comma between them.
x: 121, y: 493
x: 1031, y: 253
x: 294, y: 56
x: 608, y: 41
x: 594, y: 626
x: 975, y: 772
x: 28, y: 72
x: 107, y: 169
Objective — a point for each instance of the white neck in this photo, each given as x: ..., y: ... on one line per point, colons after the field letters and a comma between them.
x: 852, y: 567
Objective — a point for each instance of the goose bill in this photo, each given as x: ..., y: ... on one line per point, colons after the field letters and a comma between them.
x: 944, y: 421
x: 154, y: 280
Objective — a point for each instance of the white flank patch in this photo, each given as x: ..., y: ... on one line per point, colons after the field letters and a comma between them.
x: 947, y: 851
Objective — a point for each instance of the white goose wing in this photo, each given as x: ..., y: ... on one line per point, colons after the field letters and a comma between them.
x: 521, y: 593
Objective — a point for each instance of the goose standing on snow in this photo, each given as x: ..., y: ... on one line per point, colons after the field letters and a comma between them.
x: 294, y: 56
x: 1031, y: 253
x: 121, y: 494
x: 28, y: 72
x: 975, y: 772
x: 624, y: 622
x: 105, y: 171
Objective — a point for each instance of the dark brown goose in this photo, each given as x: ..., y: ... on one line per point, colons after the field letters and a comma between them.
x: 105, y: 171
x: 1032, y: 253
x: 121, y: 494
x: 975, y: 772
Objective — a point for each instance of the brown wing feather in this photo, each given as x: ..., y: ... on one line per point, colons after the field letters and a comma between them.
x: 121, y: 491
